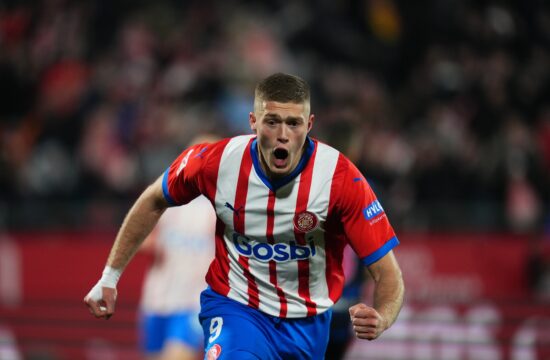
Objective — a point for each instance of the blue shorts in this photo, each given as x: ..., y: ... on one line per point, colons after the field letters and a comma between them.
x: 236, y: 331
x: 182, y: 327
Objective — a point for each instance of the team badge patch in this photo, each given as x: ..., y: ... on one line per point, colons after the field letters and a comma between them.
x: 214, y: 352
x: 305, y: 221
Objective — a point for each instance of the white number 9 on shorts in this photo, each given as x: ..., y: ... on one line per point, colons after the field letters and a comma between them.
x: 215, y: 328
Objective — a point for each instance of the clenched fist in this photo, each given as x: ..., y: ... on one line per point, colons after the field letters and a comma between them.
x: 101, y: 301
x: 367, y: 322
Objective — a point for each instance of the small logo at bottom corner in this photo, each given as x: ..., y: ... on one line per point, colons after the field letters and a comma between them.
x: 214, y: 352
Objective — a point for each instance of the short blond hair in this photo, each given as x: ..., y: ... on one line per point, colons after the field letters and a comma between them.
x: 283, y: 88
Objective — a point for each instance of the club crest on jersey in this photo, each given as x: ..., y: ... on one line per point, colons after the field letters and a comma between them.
x: 214, y: 352
x: 305, y: 221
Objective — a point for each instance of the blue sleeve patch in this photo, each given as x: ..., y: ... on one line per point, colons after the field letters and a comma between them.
x: 165, y: 188
x: 374, y: 209
x: 383, y: 250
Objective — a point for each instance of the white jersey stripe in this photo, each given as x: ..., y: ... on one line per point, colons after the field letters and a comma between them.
x: 231, y: 160
x: 287, y: 272
x: 325, y: 164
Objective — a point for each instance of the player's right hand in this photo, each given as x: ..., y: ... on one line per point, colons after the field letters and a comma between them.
x: 101, y: 301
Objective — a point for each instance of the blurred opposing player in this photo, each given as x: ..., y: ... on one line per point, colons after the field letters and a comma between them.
x: 183, y: 246
x: 286, y: 206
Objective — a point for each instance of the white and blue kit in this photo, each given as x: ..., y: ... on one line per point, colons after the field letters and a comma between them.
x: 184, y: 249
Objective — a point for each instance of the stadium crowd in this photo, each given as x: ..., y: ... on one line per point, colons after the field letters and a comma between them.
x: 444, y: 106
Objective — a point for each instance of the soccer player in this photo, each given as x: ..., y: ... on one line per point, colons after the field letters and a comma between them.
x: 183, y: 247
x: 286, y: 206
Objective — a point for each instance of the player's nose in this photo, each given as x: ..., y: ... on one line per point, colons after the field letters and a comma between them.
x: 282, y: 134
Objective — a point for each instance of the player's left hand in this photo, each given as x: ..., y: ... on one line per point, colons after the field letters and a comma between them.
x: 367, y: 322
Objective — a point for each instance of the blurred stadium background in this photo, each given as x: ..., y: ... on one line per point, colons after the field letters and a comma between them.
x: 443, y: 104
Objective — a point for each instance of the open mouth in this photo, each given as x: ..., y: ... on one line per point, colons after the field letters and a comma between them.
x: 280, y: 155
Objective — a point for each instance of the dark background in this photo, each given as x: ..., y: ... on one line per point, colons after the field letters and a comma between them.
x: 442, y: 104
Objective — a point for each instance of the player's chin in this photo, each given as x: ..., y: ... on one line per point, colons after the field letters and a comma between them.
x: 280, y: 170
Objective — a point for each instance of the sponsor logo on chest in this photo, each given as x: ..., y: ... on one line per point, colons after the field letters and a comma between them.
x: 280, y: 252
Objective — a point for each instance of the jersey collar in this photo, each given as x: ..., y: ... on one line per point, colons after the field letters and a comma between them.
x: 273, y: 185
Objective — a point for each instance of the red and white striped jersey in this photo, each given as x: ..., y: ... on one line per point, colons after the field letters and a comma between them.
x: 279, y: 244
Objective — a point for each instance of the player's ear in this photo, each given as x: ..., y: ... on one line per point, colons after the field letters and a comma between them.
x: 310, y: 122
x: 252, y: 121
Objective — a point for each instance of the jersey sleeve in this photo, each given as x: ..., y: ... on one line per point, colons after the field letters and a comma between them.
x: 364, y: 221
x: 182, y: 181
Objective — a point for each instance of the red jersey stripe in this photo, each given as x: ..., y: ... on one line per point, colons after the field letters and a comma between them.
x: 335, y: 243
x: 303, y: 265
x: 209, y: 183
x: 218, y: 273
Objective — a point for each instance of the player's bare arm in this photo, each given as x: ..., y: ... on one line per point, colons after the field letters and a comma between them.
x: 137, y: 225
x: 369, y: 322
x: 139, y: 222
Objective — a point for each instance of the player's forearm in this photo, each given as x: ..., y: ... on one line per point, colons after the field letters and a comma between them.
x: 388, y: 295
x: 139, y: 222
